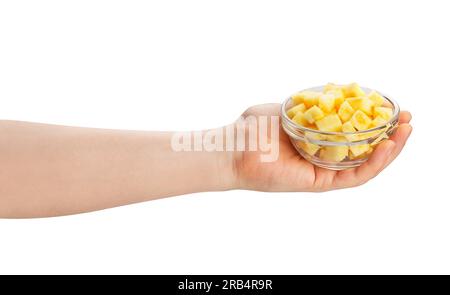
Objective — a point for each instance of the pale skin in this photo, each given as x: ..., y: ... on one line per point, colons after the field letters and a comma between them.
x: 50, y: 170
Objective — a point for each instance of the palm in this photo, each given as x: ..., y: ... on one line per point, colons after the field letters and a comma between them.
x: 293, y: 173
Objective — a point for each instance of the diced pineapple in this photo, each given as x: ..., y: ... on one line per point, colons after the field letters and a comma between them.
x: 361, y: 103
x: 377, y: 99
x: 308, y: 97
x: 348, y: 127
x: 326, y: 102
x: 353, y: 90
x: 310, y: 148
x: 314, y: 136
x: 369, y: 134
x: 334, y: 153
x: 313, y: 114
x: 311, y: 98
x: 331, y: 86
x: 336, y: 138
x: 358, y: 150
x: 361, y: 156
x: 300, y: 119
x: 345, y: 111
x: 360, y: 120
x: 383, y: 112
x: 297, y: 97
x: 338, y: 96
x: 329, y: 123
x: 298, y: 108
x: 378, y: 121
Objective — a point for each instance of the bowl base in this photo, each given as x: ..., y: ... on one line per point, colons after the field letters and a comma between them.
x: 343, y: 165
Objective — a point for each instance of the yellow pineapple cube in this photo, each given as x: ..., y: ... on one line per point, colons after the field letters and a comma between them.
x: 334, y: 153
x: 377, y: 99
x: 348, y: 127
x: 336, y: 138
x: 361, y: 103
x: 300, y: 119
x: 358, y: 150
x: 326, y: 102
x: 360, y: 120
x: 309, y: 98
x: 329, y: 123
x: 314, y: 136
x: 331, y: 86
x: 298, y: 108
x: 369, y: 134
x: 310, y: 148
x: 313, y: 114
x: 338, y: 96
x: 361, y: 156
x: 383, y: 112
x: 353, y: 90
x: 378, y: 121
x: 345, y: 111
x: 297, y: 97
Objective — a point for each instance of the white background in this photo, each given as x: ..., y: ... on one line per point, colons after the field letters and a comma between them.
x: 183, y: 65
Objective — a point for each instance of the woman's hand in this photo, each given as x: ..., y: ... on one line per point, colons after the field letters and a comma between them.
x: 293, y: 173
x: 51, y: 170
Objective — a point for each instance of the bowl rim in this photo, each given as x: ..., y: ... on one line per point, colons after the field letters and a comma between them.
x: 395, y: 116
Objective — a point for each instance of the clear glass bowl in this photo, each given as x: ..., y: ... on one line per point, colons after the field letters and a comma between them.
x: 334, y: 150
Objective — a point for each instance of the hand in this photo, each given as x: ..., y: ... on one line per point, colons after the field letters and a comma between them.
x: 293, y: 173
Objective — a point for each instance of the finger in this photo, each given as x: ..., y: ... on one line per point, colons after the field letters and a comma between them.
x: 376, y: 161
x: 404, y: 117
x: 369, y: 169
x: 400, y: 137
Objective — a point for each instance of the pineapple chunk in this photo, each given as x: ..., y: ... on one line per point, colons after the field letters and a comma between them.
x: 361, y: 156
x: 313, y: 114
x: 361, y: 103
x: 348, y: 127
x: 299, y: 118
x: 310, y: 148
x: 292, y: 111
x: 378, y: 121
x: 345, y: 111
x: 370, y: 134
x: 331, y: 86
x: 308, y: 97
x: 314, y: 136
x: 311, y: 98
x: 377, y: 99
x: 336, y: 138
x: 360, y: 120
x: 338, y: 96
x: 358, y: 150
x: 353, y: 90
x: 329, y: 123
x: 326, y: 102
x: 334, y: 153
x: 383, y: 112
x: 297, y: 98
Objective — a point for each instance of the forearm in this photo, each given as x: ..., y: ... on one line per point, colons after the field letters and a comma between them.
x: 51, y: 170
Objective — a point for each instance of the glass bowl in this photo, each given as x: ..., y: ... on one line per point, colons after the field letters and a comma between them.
x: 337, y: 150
